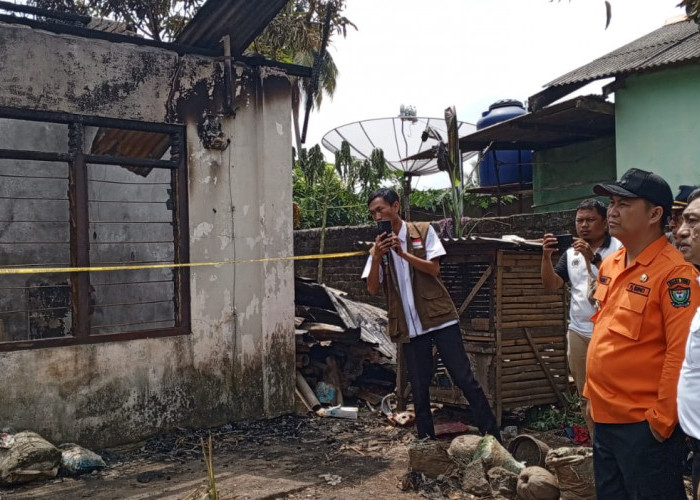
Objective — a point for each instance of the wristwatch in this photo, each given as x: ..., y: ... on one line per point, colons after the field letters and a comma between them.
x: 596, y: 260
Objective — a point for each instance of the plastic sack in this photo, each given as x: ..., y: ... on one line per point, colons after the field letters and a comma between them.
x: 493, y: 454
x: 78, y: 460
x: 536, y: 483
x: 574, y: 470
x: 464, y: 447
x: 30, y: 457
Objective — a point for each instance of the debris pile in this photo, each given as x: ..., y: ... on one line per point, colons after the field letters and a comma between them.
x: 481, y: 467
x: 26, y: 456
x: 342, y: 351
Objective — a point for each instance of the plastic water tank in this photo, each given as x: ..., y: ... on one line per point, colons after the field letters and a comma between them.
x: 503, y: 166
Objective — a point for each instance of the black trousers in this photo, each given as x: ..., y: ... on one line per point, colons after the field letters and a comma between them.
x: 418, y: 355
x: 695, y: 447
x: 629, y: 464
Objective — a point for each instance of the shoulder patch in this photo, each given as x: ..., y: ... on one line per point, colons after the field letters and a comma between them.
x: 679, y: 291
x: 638, y: 289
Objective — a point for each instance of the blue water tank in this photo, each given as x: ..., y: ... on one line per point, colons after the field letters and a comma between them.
x: 514, y: 166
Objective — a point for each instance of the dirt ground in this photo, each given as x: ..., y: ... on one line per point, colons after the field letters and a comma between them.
x: 291, y: 457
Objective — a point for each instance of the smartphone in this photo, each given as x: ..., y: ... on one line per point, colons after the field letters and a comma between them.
x: 383, y: 226
x: 564, y: 241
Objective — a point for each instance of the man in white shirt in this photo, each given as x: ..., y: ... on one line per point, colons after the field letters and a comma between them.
x: 688, y: 242
x: 405, y: 262
x: 578, y: 265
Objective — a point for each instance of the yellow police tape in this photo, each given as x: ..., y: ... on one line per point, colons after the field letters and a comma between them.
x: 40, y: 270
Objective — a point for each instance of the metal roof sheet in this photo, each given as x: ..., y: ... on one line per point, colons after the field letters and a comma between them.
x: 243, y: 20
x: 673, y: 44
x: 576, y: 120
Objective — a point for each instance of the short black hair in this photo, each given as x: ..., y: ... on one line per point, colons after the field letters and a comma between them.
x: 694, y: 194
x: 387, y: 194
x: 593, y: 204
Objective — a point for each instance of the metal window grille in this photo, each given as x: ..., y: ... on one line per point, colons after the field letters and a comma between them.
x: 78, y: 191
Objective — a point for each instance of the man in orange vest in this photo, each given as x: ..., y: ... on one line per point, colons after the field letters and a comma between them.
x: 421, y: 313
x: 647, y: 295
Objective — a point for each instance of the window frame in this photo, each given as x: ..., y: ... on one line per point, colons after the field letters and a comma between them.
x: 77, y: 161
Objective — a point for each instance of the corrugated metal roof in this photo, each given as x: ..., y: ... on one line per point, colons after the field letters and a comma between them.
x: 243, y: 20
x: 673, y: 44
x: 579, y: 119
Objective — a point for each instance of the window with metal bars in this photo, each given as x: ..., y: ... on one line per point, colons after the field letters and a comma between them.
x: 97, y: 193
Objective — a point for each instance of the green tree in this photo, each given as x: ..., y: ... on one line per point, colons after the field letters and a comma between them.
x: 295, y: 35
x: 361, y: 176
x: 325, y: 199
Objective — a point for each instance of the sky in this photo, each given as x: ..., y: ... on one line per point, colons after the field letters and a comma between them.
x: 432, y: 54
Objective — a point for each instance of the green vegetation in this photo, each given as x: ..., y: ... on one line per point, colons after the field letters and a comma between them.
x: 547, y: 417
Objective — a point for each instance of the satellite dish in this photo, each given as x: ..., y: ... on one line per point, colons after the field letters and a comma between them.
x: 398, y: 137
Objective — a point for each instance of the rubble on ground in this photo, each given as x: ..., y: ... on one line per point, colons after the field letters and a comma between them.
x: 342, y: 350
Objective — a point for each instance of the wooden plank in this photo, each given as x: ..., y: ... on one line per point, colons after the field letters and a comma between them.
x: 535, y: 331
x: 499, y: 354
x: 530, y: 355
x: 532, y: 375
x: 534, y: 282
x: 484, y: 276
x: 549, y: 349
x: 527, y: 361
x: 539, y: 340
x: 513, y: 388
x: 515, y: 299
x: 545, y: 369
x: 522, y: 324
x: 514, y: 370
x: 528, y: 401
x: 510, y: 318
x: 555, y: 309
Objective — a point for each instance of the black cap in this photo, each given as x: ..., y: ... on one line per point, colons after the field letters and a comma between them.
x: 636, y: 183
x: 681, y: 199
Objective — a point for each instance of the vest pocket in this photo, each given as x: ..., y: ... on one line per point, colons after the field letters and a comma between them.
x: 437, y: 304
x: 628, y: 317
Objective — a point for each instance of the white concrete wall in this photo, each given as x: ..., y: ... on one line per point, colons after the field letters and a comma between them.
x: 238, y: 361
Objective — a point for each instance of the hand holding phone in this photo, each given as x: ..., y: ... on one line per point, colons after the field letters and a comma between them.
x: 384, y: 226
x: 564, y: 241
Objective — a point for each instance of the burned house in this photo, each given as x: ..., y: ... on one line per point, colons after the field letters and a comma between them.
x: 163, y: 172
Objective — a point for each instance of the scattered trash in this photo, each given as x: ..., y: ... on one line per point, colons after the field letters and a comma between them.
x: 402, y: 419
x: 509, y: 432
x: 78, y: 460
x: 338, y: 412
x: 331, y: 479
x: 6, y: 440
x: 326, y: 393
x: 31, y: 457
x: 578, y: 434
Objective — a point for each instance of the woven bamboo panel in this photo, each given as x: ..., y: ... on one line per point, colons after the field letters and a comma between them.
x: 505, y: 363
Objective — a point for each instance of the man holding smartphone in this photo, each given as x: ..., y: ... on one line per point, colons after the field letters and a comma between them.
x: 405, y: 262
x: 578, y: 265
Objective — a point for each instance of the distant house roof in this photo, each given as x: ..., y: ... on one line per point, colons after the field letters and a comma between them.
x: 671, y: 45
x: 580, y: 119
x: 243, y: 20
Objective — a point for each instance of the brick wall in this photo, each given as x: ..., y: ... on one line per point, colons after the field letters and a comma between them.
x: 344, y: 273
